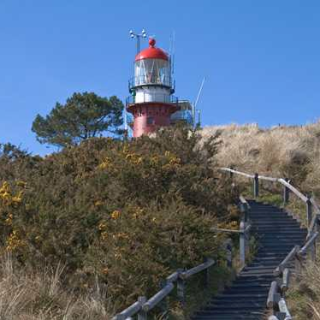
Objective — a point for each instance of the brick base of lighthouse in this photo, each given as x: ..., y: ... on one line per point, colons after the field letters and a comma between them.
x: 148, y: 117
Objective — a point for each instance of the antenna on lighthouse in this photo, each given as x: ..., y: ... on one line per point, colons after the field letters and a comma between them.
x: 196, y: 103
x: 172, y: 50
x: 138, y: 36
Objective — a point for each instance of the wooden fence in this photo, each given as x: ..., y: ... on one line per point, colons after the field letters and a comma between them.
x: 276, y: 298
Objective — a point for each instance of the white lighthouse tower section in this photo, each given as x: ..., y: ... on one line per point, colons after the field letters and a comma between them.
x: 153, y: 94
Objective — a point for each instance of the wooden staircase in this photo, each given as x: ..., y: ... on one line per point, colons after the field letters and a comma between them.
x: 245, y: 299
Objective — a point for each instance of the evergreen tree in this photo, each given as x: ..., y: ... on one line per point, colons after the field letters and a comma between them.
x: 85, y: 115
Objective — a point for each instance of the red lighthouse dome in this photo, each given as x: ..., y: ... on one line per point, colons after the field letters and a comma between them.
x: 152, y: 52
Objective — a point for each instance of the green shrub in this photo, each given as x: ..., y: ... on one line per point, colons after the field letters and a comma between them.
x: 124, y: 212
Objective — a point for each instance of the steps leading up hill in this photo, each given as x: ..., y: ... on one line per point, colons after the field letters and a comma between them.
x: 276, y: 233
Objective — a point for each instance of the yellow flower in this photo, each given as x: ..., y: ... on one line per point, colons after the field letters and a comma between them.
x: 4, y: 188
x: 98, y: 203
x: 17, y: 199
x: 8, y: 221
x: 106, y: 164
x: 14, y: 242
x: 115, y: 215
x: 21, y: 184
x: 6, y: 195
x: 102, y: 226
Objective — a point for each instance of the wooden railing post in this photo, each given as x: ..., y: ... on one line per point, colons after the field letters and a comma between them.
x: 244, y: 211
x: 228, y: 248
x: 206, y: 275
x: 286, y: 193
x: 163, y: 305
x: 142, y: 315
x: 313, y: 251
x: 309, y: 210
x: 181, y: 289
x: 231, y: 173
x: 247, y: 237
x: 297, y: 266
x: 256, y: 185
x: 242, y: 243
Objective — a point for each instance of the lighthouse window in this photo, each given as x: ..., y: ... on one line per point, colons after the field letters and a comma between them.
x: 150, y: 120
x: 152, y: 71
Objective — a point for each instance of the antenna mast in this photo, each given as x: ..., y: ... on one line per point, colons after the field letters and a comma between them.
x: 172, y: 50
x: 138, y: 36
x: 196, y: 103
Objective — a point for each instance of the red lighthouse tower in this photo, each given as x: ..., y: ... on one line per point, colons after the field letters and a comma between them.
x: 151, y: 101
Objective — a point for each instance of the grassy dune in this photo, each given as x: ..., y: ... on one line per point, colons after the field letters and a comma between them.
x: 283, y: 151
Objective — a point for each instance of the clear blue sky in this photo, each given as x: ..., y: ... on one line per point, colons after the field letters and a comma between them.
x: 261, y: 58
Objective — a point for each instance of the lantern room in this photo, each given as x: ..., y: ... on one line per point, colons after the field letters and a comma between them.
x: 152, y: 81
x: 152, y: 67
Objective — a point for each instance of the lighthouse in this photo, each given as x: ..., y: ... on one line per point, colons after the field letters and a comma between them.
x: 151, y: 102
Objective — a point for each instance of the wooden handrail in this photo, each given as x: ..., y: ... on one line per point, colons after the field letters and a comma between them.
x: 248, y: 227
x: 173, y: 277
x: 285, y: 279
x: 284, y: 309
x: 158, y: 297
x: 314, y: 222
x: 238, y: 172
x: 293, y: 189
x: 129, y: 312
x: 244, y: 201
x: 282, y: 181
x: 268, y: 178
x: 315, y: 205
x: 312, y: 239
x: 273, y: 296
x: 144, y: 305
x: 276, y: 292
x: 278, y: 271
x: 187, y: 274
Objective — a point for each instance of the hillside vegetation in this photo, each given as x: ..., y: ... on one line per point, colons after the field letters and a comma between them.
x: 85, y: 231
x: 285, y: 151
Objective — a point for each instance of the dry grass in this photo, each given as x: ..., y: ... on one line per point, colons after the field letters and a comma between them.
x: 303, y: 298
x: 292, y: 151
x: 30, y: 295
x: 284, y: 151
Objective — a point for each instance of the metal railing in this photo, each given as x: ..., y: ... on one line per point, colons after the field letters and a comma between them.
x: 144, y: 98
x: 151, y: 80
x: 276, y: 298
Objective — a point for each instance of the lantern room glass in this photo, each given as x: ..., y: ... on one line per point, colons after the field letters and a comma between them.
x: 152, y: 71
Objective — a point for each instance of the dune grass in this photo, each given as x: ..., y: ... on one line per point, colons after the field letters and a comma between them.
x: 291, y: 152
x: 30, y: 294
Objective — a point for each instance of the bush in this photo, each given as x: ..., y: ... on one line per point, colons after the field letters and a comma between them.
x: 123, y: 213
